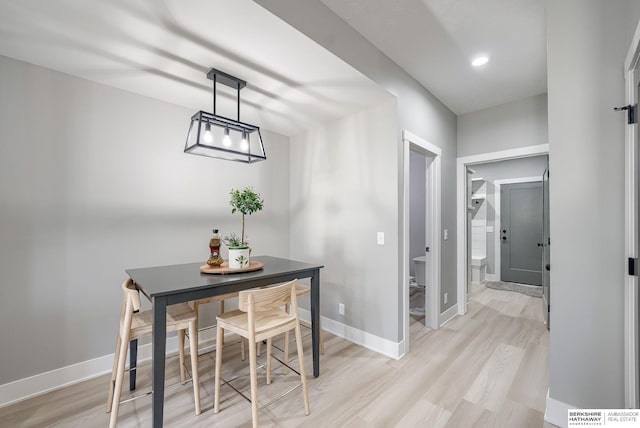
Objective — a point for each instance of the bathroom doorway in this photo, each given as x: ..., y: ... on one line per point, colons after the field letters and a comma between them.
x: 419, y: 249
x: 427, y: 233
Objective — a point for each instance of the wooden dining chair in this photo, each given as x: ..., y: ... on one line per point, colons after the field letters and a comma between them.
x: 302, y: 291
x: 134, y: 325
x: 207, y: 300
x: 259, y: 317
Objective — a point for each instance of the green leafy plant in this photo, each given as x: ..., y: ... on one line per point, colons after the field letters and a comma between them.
x: 233, y: 241
x: 245, y: 202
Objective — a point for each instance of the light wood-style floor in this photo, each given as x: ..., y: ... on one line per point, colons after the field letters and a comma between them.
x: 487, y: 369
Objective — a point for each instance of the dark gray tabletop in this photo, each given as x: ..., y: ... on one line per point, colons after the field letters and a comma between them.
x: 173, y: 279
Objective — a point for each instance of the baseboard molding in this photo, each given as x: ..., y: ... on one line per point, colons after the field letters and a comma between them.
x: 370, y: 341
x: 42, y: 383
x: 23, y: 389
x: 556, y: 412
x: 448, y: 315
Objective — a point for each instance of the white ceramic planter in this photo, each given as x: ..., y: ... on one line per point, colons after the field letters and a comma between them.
x: 238, y: 258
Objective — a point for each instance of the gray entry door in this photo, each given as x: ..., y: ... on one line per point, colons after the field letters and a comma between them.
x: 521, y: 233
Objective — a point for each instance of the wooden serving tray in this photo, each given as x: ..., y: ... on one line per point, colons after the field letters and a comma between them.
x: 225, y: 269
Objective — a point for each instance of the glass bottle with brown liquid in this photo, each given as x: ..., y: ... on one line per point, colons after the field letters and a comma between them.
x: 214, y: 246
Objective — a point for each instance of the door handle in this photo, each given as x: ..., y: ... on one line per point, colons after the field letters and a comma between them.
x: 427, y: 249
x: 547, y: 267
x: 504, y: 238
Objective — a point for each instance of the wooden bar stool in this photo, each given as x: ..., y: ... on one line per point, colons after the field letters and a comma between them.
x: 257, y: 318
x: 196, y: 310
x: 134, y: 325
x: 302, y: 290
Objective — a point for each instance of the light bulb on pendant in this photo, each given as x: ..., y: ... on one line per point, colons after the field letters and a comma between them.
x: 244, y: 145
x: 208, y: 136
x: 226, y: 140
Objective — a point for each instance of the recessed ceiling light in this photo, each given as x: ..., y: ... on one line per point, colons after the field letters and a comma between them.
x: 481, y: 60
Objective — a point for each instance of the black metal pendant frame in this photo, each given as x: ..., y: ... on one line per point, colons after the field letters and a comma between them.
x: 251, y: 136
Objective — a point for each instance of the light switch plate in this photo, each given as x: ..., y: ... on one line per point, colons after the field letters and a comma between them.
x: 489, y: 229
x: 446, y: 234
x: 380, y: 238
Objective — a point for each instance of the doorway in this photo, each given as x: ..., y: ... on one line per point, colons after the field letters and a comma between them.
x: 432, y: 161
x: 464, y: 261
x: 419, y: 246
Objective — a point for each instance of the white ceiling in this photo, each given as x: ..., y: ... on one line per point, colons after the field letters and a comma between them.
x: 435, y: 40
x: 163, y: 49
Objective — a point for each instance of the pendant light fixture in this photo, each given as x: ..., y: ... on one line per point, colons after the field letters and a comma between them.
x: 220, y: 137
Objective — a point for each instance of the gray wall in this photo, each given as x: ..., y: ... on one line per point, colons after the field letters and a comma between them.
x: 93, y: 180
x: 417, y: 207
x: 587, y: 44
x: 507, y: 126
x: 502, y: 170
x: 343, y: 191
x: 418, y: 111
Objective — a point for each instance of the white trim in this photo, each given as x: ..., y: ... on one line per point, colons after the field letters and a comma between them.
x: 631, y: 309
x: 491, y: 276
x: 461, y: 230
x: 370, y: 341
x: 448, y: 315
x: 434, y: 204
x: 556, y: 412
x: 497, y: 256
x: 23, y: 389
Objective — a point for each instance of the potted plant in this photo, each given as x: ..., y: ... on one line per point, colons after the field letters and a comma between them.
x: 245, y: 202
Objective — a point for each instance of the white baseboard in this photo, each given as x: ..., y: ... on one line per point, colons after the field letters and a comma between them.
x: 448, y: 315
x: 556, y: 412
x: 23, y: 389
x: 370, y: 341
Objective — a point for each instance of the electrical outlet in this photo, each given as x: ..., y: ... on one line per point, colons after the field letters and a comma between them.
x: 341, y: 308
x: 446, y: 298
x: 446, y: 234
x: 380, y: 238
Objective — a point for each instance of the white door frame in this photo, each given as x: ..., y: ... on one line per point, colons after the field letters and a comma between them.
x: 496, y: 224
x: 461, y: 210
x: 434, y: 203
x: 631, y: 351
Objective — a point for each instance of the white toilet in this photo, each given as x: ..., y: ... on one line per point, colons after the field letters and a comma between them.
x: 418, y: 263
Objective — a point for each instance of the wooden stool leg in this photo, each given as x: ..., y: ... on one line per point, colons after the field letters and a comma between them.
x: 254, y: 381
x: 285, y: 369
x: 303, y: 376
x: 219, y: 335
x: 122, y: 359
x: 242, y: 351
x: 193, y: 350
x: 222, y: 312
x: 114, y: 372
x: 183, y: 378
x: 268, y: 361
